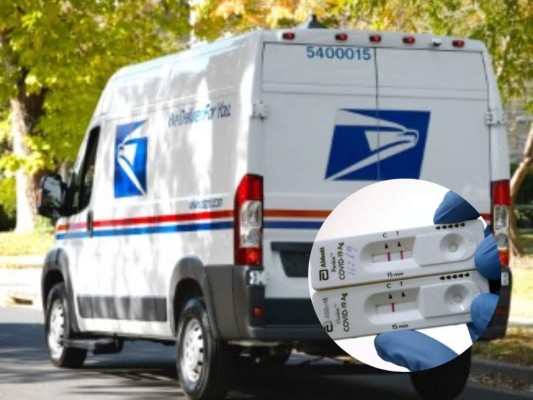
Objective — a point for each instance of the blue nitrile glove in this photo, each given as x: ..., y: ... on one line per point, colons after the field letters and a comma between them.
x: 416, y: 351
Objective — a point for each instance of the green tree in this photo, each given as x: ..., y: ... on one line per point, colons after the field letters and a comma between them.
x: 7, y: 204
x: 56, y: 58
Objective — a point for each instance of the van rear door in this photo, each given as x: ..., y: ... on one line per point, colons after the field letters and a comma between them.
x: 311, y: 92
x: 343, y: 117
x: 439, y: 99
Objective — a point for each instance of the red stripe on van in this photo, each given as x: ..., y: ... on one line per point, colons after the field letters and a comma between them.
x: 72, y: 226
x: 165, y: 218
x: 150, y: 220
x: 320, y: 213
x: 297, y: 213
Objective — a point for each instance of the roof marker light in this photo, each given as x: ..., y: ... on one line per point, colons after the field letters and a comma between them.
x: 409, y: 40
x: 288, y: 35
x: 341, y: 36
x: 458, y: 43
x: 375, y: 38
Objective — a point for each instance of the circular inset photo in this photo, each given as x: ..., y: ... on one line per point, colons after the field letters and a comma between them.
x: 399, y: 275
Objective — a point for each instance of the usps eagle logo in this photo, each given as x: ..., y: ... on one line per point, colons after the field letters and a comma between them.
x: 130, y: 160
x: 377, y: 144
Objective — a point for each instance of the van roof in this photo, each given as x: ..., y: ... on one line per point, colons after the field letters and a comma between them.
x: 332, y: 37
x: 160, y: 67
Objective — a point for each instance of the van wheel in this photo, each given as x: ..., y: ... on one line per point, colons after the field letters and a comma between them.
x: 445, y: 382
x: 57, y: 328
x: 204, y: 363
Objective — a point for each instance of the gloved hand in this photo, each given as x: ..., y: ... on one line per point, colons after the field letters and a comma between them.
x: 416, y: 351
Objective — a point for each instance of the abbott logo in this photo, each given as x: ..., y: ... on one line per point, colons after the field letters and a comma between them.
x: 130, y: 160
x: 377, y: 144
x: 323, y: 274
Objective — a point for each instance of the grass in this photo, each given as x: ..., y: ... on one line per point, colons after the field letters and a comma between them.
x: 516, y: 347
x: 17, y: 244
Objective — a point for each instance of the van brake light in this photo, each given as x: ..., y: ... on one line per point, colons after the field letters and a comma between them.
x: 248, y: 233
x: 501, y: 200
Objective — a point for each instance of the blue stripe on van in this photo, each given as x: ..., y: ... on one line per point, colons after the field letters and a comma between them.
x: 148, y: 230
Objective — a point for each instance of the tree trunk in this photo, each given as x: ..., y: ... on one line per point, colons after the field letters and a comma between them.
x: 26, y: 186
x: 516, y: 182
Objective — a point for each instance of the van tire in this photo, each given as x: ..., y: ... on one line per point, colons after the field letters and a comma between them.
x: 58, y: 327
x: 446, y: 381
x: 204, y: 363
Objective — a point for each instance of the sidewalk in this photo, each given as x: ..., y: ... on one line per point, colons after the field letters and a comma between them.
x: 20, y: 285
x: 507, y: 378
x: 22, y: 261
x: 20, y: 280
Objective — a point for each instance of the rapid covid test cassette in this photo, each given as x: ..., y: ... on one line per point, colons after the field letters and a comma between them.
x: 405, y: 279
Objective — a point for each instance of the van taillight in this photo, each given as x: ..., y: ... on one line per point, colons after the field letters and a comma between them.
x: 501, y: 200
x: 248, y: 232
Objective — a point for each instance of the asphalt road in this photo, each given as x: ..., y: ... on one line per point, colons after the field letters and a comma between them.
x: 145, y: 371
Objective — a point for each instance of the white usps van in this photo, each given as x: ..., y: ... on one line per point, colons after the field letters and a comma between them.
x: 205, y: 175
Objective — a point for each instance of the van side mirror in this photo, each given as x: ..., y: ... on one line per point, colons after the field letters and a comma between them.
x: 52, y: 197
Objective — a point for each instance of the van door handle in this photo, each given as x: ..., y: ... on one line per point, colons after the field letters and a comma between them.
x: 90, y: 223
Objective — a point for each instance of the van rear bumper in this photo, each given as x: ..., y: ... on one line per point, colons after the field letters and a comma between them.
x: 240, y: 310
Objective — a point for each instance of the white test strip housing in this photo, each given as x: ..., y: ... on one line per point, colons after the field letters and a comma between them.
x: 398, y: 254
x: 406, y: 304
x: 410, y: 279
